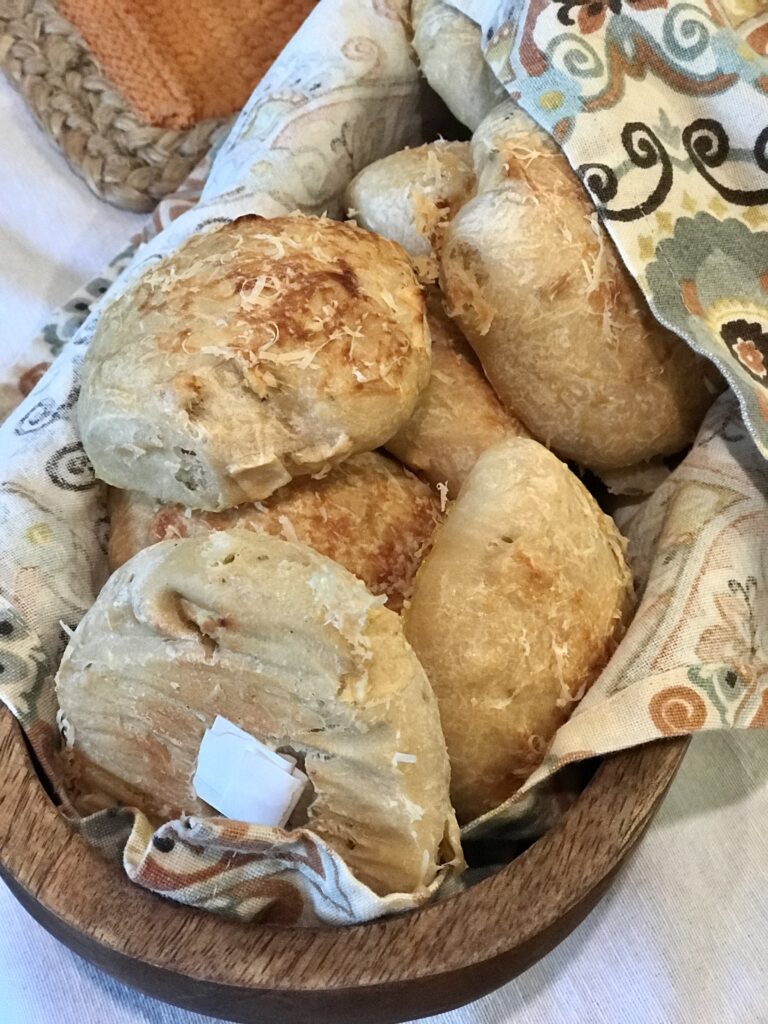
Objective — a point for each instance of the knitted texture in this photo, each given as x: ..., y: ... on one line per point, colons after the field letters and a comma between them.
x: 119, y: 156
x: 179, y: 63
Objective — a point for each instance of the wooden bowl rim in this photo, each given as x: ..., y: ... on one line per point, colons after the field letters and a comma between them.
x: 570, y: 861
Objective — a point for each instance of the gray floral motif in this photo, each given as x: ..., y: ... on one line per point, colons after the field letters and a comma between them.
x: 710, y: 281
x: 24, y: 668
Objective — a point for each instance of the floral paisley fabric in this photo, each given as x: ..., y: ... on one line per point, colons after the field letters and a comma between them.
x: 696, y: 656
x: 661, y: 106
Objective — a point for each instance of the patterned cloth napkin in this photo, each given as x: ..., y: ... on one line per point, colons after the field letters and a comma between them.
x: 343, y: 93
x: 661, y: 107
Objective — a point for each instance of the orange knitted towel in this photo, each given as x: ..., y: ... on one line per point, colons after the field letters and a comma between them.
x: 177, y: 62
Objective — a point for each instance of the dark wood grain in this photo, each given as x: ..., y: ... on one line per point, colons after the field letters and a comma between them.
x: 415, y: 965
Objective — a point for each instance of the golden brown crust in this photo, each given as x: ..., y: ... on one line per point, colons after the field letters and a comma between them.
x: 563, y: 332
x: 257, y: 352
x: 369, y: 515
x: 515, y: 611
x: 457, y: 416
x: 131, y: 524
x: 292, y: 648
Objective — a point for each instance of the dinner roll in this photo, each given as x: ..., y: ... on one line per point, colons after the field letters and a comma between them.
x: 457, y: 416
x: 290, y: 647
x: 448, y: 45
x: 515, y: 611
x: 410, y: 196
x: 369, y: 514
x: 259, y: 351
x: 562, y: 330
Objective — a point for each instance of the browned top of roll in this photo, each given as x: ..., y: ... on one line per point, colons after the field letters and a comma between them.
x: 259, y: 351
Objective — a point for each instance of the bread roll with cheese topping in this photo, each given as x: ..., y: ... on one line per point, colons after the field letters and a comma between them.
x: 562, y: 330
x: 410, y: 196
x: 368, y: 514
x: 515, y: 611
x: 457, y: 416
x: 290, y: 647
x: 259, y: 351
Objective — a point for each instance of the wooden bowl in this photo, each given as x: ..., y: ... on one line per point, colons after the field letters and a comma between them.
x: 415, y: 965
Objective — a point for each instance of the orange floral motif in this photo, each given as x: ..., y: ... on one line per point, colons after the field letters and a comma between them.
x: 30, y: 377
x: 760, y: 721
x: 758, y: 40
x: 748, y: 340
x: 751, y: 357
x: 690, y: 297
x: 678, y: 710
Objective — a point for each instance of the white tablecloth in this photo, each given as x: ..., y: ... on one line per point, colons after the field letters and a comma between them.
x: 679, y: 939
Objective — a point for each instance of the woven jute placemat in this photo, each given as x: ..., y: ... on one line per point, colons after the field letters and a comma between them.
x: 135, y: 112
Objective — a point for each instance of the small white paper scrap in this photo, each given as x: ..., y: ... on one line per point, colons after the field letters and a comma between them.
x: 243, y: 779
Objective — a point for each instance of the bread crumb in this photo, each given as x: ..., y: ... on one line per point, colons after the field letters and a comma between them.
x: 442, y: 490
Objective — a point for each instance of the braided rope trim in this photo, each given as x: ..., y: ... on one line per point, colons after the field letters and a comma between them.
x: 121, y: 158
